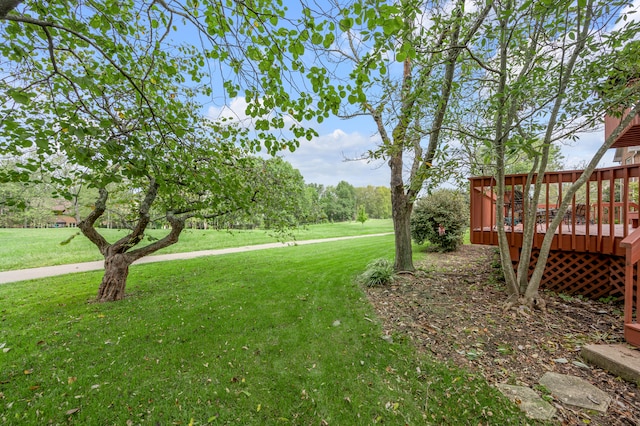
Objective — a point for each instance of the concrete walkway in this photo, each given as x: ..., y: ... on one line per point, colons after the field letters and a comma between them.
x: 50, y: 271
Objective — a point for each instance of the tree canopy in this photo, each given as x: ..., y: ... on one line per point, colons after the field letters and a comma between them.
x: 115, y: 90
x: 547, y: 73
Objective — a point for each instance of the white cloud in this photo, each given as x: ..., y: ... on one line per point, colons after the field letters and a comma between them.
x: 236, y: 112
x: 325, y: 160
x: 578, y: 154
x: 634, y: 6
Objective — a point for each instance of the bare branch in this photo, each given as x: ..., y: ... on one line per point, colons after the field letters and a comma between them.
x: 137, y: 234
x: 177, y: 225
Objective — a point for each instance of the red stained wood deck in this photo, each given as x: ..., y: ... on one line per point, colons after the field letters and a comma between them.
x: 606, y: 215
x: 596, y: 249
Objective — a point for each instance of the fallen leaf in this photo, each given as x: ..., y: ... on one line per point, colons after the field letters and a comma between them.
x: 35, y: 387
x: 71, y: 380
x: 72, y: 411
x: 28, y: 371
x: 581, y: 365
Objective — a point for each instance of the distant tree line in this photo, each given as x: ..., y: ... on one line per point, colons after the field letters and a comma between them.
x: 39, y: 204
x: 341, y: 202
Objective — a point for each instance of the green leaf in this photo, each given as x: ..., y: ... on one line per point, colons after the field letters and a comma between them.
x: 346, y: 24
x: 328, y: 40
x: 19, y: 96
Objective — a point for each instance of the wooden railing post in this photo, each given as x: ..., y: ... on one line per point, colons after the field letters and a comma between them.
x: 631, y: 245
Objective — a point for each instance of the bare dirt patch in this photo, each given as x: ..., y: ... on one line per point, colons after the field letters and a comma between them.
x: 453, y: 309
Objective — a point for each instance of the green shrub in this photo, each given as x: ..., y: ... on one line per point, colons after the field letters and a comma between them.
x: 441, y: 219
x: 379, y: 272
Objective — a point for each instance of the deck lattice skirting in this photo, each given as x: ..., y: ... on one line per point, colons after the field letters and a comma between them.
x: 591, y: 275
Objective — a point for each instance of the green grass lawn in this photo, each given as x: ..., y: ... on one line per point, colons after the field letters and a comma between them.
x: 280, y: 337
x: 29, y: 248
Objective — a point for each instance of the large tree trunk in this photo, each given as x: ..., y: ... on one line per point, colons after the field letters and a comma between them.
x: 119, y: 256
x: 114, y: 281
x: 401, y: 207
x: 402, y: 229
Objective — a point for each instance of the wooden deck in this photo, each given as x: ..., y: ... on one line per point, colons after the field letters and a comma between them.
x: 594, y: 246
x: 587, y: 238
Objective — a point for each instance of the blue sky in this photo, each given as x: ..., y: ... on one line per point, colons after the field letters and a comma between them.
x: 331, y: 156
x: 324, y: 159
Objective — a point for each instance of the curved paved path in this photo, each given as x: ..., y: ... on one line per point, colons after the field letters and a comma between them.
x: 50, y: 271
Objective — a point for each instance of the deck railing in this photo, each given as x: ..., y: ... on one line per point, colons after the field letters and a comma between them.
x: 602, y: 212
x: 602, y: 219
x: 631, y: 300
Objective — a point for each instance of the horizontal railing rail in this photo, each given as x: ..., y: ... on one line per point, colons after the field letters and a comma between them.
x: 603, y: 212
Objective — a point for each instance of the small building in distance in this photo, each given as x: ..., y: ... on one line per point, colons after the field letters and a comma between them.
x: 62, y: 218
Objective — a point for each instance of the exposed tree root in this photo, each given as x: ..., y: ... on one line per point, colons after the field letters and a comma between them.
x: 525, y: 305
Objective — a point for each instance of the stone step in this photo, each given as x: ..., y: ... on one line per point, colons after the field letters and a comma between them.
x: 575, y: 391
x: 528, y: 401
x: 621, y: 360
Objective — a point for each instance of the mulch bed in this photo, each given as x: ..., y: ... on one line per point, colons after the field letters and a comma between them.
x: 453, y: 308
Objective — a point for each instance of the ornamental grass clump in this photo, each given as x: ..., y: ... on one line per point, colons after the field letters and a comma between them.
x: 378, y: 273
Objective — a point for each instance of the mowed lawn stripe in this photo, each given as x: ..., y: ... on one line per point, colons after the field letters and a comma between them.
x: 32, y: 248
x: 271, y: 337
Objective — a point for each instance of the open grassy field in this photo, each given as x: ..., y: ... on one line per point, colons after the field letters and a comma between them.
x: 280, y: 337
x: 29, y: 248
